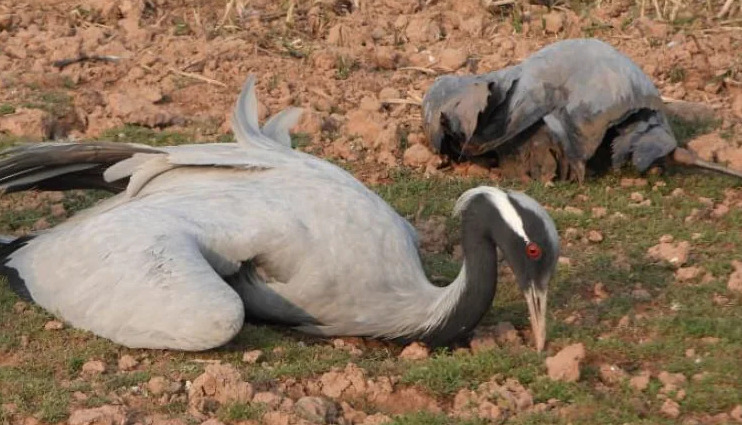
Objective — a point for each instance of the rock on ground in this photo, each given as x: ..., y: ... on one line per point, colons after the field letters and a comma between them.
x: 33, y: 123
x: 565, y: 365
x: 219, y: 384
x: 415, y: 351
x: 735, y: 279
x: 317, y: 409
x: 674, y: 253
x: 104, y: 415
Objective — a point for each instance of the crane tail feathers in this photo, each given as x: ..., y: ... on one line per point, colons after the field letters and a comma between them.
x: 246, y: 127
x: 278, y: 126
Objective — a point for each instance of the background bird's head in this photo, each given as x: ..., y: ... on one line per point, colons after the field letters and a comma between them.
x: 528, y: 239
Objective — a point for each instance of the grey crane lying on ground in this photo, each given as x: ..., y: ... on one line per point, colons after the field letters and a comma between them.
x: 573, y: 106
x: 204, y: 235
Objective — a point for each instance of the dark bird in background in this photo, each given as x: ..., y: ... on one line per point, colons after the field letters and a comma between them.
x: 573, y: 107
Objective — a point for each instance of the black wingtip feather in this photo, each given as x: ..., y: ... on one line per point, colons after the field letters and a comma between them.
x: 16, y: 282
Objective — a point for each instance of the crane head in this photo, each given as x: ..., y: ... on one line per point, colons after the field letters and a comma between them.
x: 528, y: 239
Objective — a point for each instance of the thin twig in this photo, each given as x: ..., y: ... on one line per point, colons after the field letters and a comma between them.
x: 500, y: 3
x: 62, y: 63
x: 227, y: 10
x: 419, y: 69
x: 658, y: 10
x: 724, y: 9
x: 643, y: 7
x: 197, y: 77
x: 401, y: 102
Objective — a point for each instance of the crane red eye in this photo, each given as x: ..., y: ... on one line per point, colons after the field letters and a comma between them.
x: 533, y: 251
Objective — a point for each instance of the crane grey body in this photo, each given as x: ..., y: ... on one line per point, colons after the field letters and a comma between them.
x: 206, y: 235
x: 580, y: 92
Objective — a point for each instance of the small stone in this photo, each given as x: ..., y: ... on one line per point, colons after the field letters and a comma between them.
x: 641, y: 294
x: 687, y: 273
x: 489, y: 411
x: 127, y: 363
x: 93, y: 367
x: 612, y: 374
x: 624, y: 322
x: 628, y: 182
x: 599, y: 212
x: 553, y: 22
x: 389, y: 93
x: 674, y: 253
x: 636, y: 197
x: 720, y: 211
x: 677, y: 192
x: 268, y: 398
x: 317, y: 409
x: 565, y: 365
x: 482, y: 340
x: 33, y: 123
x: 53, y: 325
x: 666, y: 238
x: 668, y: 378
x: 735, y: 279
x: 159, y: 385
x: 690, y: 353
x: 736, y: 413
x: 452, y: 59
x: 506, y: 334
x: 595, y: 236
x: 670, y: 408
x: 103, y: 415
x: 370, y: 104
x: 417, y: 155
x: 415, y: 351
x: 253, y: 356
x: 640, y: 382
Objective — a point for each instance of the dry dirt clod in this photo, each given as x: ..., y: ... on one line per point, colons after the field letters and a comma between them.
x: 104, y: 415
x: 317, y: 409
x: 736, y: 413
x: 670, y: 408
x: 668, y: 378
x: 268, y: 398
x: 159, y: 385
x: 612, y: 374
x: 253, y: 356
x: 219, y: 384
x: 735, y: 279
x: 415, y: 351
x: 599, y: 212
x: 595, y: 236
x: 687, y: 273
x: 93, y: 367
x: 565, y: 365
x: 351, y: 381
x: 127, y: 363
x: 452, y: 59
x: 33, y: 123
x: 417, y: 155
x: 674, y: 253
x: 640, y: 382
x: 53, y: 325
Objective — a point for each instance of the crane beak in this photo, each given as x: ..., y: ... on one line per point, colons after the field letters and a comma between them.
x: 536, y: 300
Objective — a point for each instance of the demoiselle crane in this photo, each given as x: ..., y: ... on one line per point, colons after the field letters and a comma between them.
x: 595, y: 106
x: 203, y: 236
